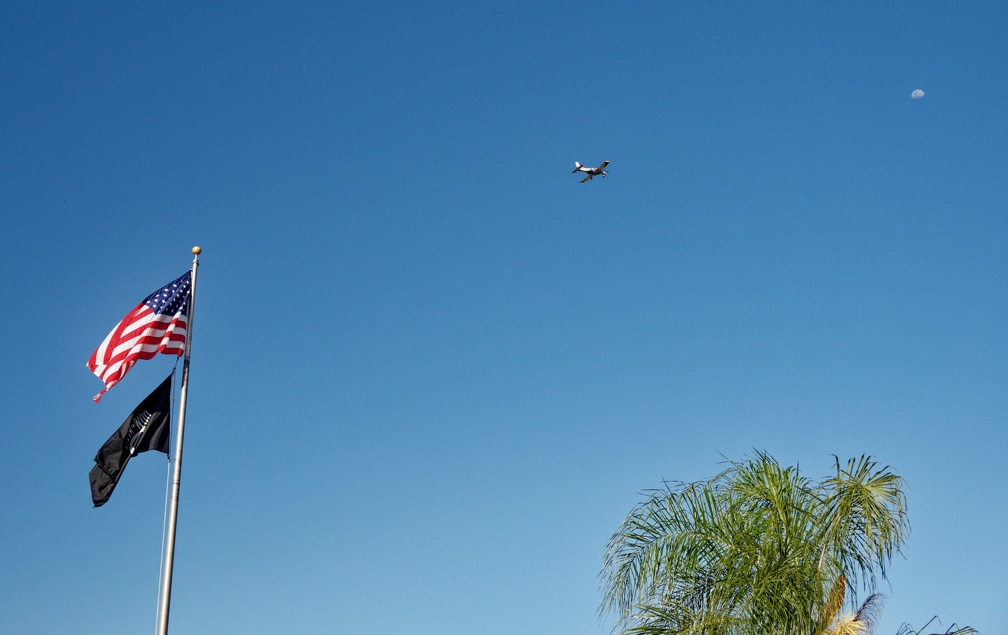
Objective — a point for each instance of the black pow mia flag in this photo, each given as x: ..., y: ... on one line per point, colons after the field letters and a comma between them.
x: 147, y: 428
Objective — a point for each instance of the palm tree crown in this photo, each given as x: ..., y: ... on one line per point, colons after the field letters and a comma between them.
x: 757, y: 549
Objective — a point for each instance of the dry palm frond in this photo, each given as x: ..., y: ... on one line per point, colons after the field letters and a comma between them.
x: 861, y: 622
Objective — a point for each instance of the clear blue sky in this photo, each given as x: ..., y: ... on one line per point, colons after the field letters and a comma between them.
x: 431, y: 371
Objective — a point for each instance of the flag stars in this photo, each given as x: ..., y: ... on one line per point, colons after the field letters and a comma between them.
x: 171, y: 299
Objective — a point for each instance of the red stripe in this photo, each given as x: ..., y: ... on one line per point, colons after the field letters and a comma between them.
x: 116, y: 334
x: 125, y: 332
x: 161, y: 340
x: 154, y: 323
x: 146, y: 353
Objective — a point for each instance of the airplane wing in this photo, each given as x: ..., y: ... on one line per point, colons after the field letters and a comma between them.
x: 587, y: 177
x: 602, y: 167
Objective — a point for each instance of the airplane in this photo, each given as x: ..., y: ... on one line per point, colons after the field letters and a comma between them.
x: 591, y: 172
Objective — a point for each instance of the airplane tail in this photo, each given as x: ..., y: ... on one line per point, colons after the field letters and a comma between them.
x: 577, y: 166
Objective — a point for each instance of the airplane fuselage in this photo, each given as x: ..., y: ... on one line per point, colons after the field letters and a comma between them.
x: 591, y: 172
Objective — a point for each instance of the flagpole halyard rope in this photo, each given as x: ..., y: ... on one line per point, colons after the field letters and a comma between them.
x: 164, y: 519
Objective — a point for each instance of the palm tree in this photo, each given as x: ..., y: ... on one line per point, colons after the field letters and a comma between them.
x: 757, y: 549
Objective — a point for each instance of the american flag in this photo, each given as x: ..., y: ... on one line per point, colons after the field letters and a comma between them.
x: 156, y: 325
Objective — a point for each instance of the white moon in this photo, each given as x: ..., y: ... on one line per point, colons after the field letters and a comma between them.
x: 917, y: 94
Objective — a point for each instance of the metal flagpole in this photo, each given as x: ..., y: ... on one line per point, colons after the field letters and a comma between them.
x: 169, y: 555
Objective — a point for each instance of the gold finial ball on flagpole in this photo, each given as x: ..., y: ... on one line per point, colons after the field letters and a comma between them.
x: 196, y: 250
